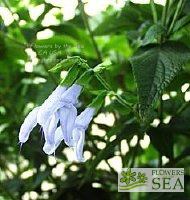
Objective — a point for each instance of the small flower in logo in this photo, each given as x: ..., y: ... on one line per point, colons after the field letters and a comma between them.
x: 127, y: 176
x: 141, y: 177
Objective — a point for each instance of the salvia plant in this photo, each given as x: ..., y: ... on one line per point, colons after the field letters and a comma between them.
x: 58, y: 117
x: 134, y: 69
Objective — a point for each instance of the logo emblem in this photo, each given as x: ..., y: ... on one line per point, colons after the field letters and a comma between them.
x: 151, y: 180
x: 130, y: 180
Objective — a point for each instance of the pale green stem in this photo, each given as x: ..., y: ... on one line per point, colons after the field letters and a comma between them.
x: 176, y: 15
x: 164, y: 13
x: 86, y: 23
x: 154, y: 13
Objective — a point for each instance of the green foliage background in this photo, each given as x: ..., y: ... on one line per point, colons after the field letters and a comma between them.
x: 148, y: 46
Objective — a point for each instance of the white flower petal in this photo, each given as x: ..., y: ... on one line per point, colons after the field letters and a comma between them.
x: 58, y: 91
x: 71, y: 94
x: 29, y: 123
x: 45, y: 128
x: 50, y: 128
x: 63, y: 116
x: 67, y: 116
x: 71, y: 121
x: 79, y: 136
x: 85, y: 118
x: 46, y: 112
x: 51, y: 105
x: 58, y: 137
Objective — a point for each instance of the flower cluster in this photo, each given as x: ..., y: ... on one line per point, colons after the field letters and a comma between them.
x: 57, y: 116
x: 58, y: 119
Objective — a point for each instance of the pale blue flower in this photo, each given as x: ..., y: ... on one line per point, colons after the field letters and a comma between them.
x: 71, y: 94
x: 78, y: 135
x: 58, y: 107
x: 67, y: 114
x: 33, y: 117
x: 50, y: 127
x: 58, y: 138
x: 50, y: 105
x: 29, y: 123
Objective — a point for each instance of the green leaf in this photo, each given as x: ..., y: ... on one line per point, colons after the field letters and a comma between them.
x: 85, y: 78
x: 129, y: 18
x: 46, y: 47
x: 98, y: 101
x: 162, y: 139
x: 79, y: 35
x: 118, y: 43
x: 71, y: 76
x: 181, y: 23
x: 154, y: 68
x: 105, y: 65
x: 66, y: 64
x: 153, y: 32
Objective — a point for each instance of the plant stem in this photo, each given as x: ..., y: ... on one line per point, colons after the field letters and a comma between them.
x: 135, y: 152
x: 161, y: 109
x: 183, y: 155
x: 160, y: 161
x: 86, y: 23
x: 169, y: 13
x: 176, y: 15
x: 182, y: 108
x: 101, y: 80
x: 154, y: 13
x: 164, y: 19
x: 161, y: 112
x: 164, y: 13
x: 108, y: 87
